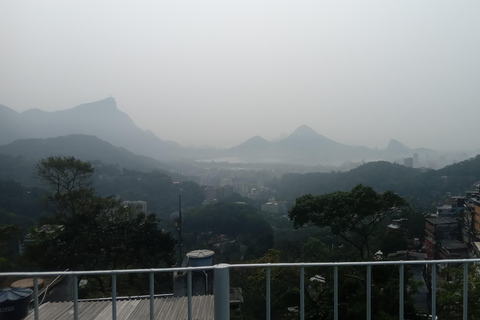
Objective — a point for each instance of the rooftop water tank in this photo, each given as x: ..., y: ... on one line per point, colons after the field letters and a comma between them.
x: 14, y: 303
x: 200, y: 258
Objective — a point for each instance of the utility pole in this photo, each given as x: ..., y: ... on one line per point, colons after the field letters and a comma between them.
x: 179, y: 230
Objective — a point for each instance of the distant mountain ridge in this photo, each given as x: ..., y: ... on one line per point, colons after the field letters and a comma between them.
x: 423, y: 188
x: 101, y: 119
x: 307, y: 147
x: 104, y: 120
x: 83, y: 147
x: 256, y: 143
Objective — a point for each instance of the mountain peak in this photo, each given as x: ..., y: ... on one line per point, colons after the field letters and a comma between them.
x: 257, y: 143
x: 108, y: 104
x: 397, y: 146
x: 304, y: 131
x: 257, y: 139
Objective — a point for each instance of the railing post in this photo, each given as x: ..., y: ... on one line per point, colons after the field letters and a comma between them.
x: 221, y: 292
x: 335, y: 293
x: 152, y: 296
x: 302, y: 293
x: 75, y: 297
x: 269, y: 310
x: 35, y: 293
x: 114, y: 296
x: 434, y: 291
x: 402, y: 291
x: 369, y: 292
x: 465, y: 291
x: 189, y: 296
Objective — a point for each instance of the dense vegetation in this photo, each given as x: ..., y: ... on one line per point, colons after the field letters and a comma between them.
x: 89, y: 232
x: 19, y: 205
x: 235, y: 228
x: 354, y: 216
x: 421, y: 188
x: 21, y: 192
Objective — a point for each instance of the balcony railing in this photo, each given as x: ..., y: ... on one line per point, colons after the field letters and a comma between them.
x: 222, y: 284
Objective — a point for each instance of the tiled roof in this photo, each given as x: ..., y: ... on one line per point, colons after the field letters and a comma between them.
x: 131, y: 309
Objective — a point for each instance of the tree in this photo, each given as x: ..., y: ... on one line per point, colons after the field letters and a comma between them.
x: 5, y: 257
x: 253, y: 235
x: 109, y: 236
x: 450, y: 295
x: 69, y: 182
x: 92, y: 232
x: 19, y: 205
x: 65, y: 174
x: 353, y: 215
x: 284, y: 288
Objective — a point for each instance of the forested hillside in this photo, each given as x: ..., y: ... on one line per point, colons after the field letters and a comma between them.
x: 21, y: 192
x: 420, y: 187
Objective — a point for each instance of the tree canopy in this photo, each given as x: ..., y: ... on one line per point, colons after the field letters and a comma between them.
x: 6, y: 232
x: 353, y: 215
x: 65, y: 174
x: 90, y: 231
x: 69, y: 182
x: 240, y: 222
x: 450, y: 297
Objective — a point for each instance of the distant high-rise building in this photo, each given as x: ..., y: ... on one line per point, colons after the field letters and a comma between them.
x: 408, y: 162
x: 226, y: 191
x: 244, y: 189
x: 210, y: 193
x: 225, y: 182
x: 415, y: 160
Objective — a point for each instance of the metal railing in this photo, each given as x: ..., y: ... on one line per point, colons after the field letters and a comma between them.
x: 222, y: 284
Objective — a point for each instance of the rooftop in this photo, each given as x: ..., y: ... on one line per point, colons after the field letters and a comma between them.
x: 436, y: 221
x: 453, y: 244
x: 129, y: 309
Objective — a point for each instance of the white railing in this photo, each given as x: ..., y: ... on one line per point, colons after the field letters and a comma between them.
x: 222, y: 284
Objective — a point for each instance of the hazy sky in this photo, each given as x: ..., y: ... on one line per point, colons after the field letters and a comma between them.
x: 219, y: 72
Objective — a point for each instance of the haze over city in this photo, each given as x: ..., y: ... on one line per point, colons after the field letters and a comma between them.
x: 216, y: 73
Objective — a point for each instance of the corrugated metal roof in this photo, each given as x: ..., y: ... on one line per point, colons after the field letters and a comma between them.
x: 165, y: 308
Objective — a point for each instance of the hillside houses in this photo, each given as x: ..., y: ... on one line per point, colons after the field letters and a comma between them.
x: 454, y: 231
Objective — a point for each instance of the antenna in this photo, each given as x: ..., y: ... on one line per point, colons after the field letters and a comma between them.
x: 180, y: 231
